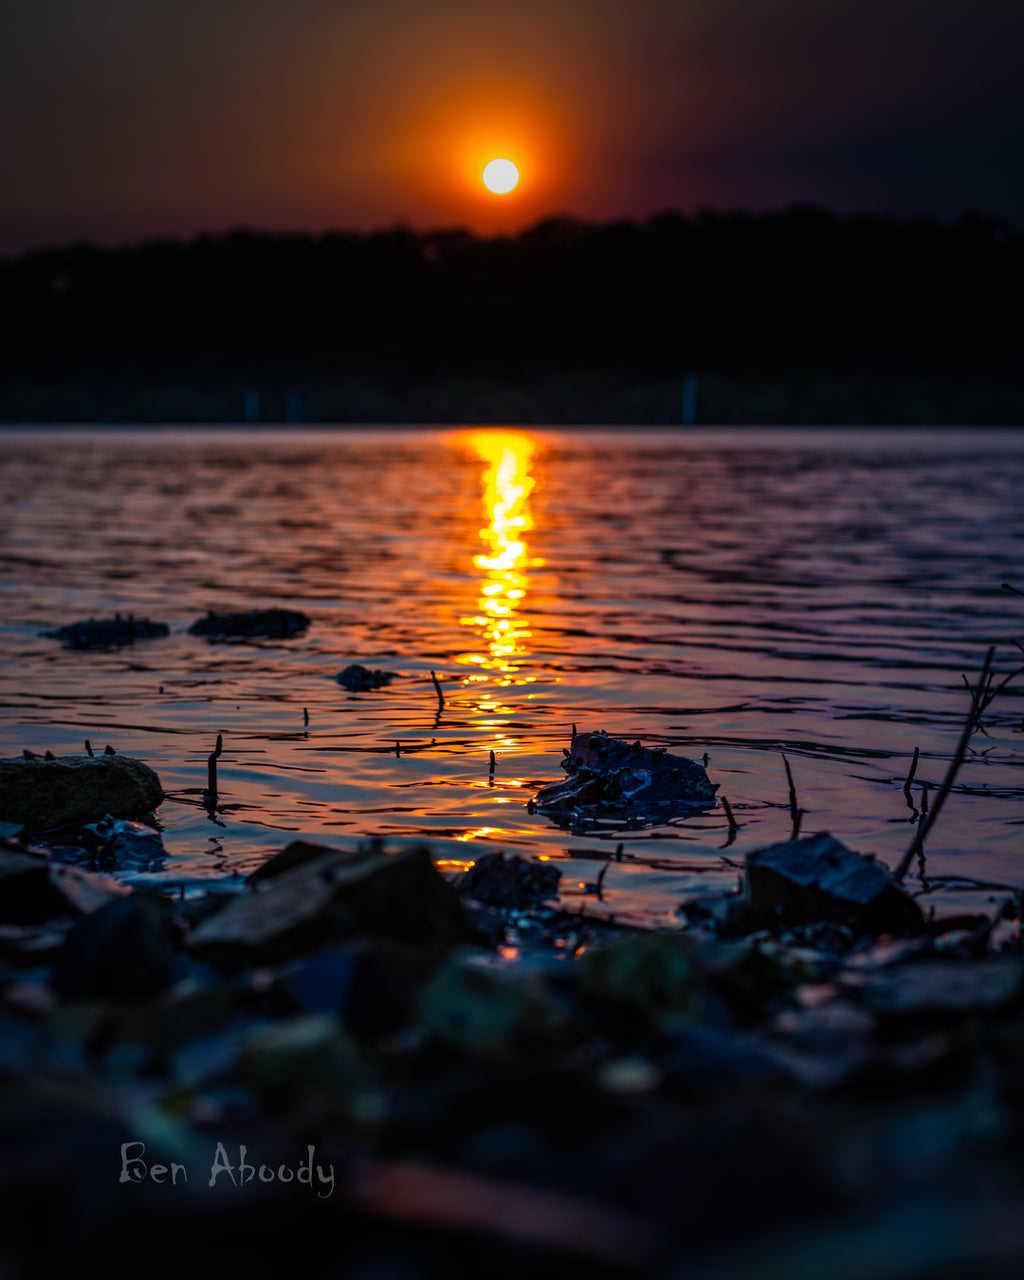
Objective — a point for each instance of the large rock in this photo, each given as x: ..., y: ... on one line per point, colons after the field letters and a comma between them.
x: 270, y: 624
x: 359, y: 679
x: 611, y: 773
x: 330, y: 899
x: 65, y: 790
x: 818, y: 878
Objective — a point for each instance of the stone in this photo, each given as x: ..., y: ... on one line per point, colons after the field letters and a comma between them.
x: 124, y: 950
x: 505, y: 880
x: 44, y: 794
x: 107, y: 633
x: 34, y: 890
x: 817, y: 878
x: 359, y: 679
x: 611, y: 773
x: 329, y: 900
x: 269, y: 624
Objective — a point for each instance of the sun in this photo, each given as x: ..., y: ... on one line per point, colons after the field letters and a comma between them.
x: 500, y: 176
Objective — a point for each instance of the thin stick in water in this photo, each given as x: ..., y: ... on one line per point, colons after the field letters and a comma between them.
x: 733, y: 824
x: 795, y: 812
x: 954, y: 765
x: 600, y: 878
x: 305, y: 716
x: 88, y: 746
x: 211, y: 767
x: 437, y: 686
x: 910, y: 777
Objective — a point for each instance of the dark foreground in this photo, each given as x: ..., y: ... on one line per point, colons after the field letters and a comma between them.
x: 357, y: 1068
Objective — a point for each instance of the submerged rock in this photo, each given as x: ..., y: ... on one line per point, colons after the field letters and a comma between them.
x: 500, y: 880
x: 270, y: 624
x: 333, y: 898
x: 64, y: 790
x: 107, y: 633
x: 129, y: 844
x: 359, y: 679
x: 817, y: 878
x: 611, y: 773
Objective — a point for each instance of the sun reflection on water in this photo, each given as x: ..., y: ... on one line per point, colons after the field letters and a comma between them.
x: 500, y: 621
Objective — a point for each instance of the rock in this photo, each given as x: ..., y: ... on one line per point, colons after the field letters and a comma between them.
x: 481, y: 1006
x: 68, y: 790
x: 500, y: 880
x: 34, y: 890
x: 365, y: 893
x: 359, y: 679
x: 303, y: 1059
x: 270, y: 624
x: 371, y: 986
x: 125, y: 949
x: 611, y: 773
x: 817, y: 878
x: 107, y: 633
x: 129, y: 844
x: 300, y: 853
x: 653, y: 973
x: 945, y: 986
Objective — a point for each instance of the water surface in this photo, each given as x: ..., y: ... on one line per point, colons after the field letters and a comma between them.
x: 728, y: 592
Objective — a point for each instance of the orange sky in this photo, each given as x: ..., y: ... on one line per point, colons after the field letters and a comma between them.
x: 120, y: 119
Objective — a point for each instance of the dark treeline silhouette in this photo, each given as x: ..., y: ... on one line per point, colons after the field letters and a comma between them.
x: 797, y: 316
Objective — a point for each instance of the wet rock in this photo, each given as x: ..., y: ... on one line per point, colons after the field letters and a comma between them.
x: 126, y: 843
x: 818, y: 879
x: 482, y: 1006
x: 610, y: 773
x: 505, y: 880
x: 269, y: 624
x: 359, y: 679
x: 350, y: 894
x: 34, y: 890
x: 107, y: 633
x: 68, y: 790
x: 124, y: 950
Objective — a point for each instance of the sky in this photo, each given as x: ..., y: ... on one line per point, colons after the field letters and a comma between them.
x: 126, y: 119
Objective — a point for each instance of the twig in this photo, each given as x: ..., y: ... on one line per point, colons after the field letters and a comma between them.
x: 795, y: 812
x: 437, y: 686
x: 910, y: 777
x: 88, y: 746
x: 618, y: 851
x: 211, y: 768
x: 398, y: 750
x: 600, y: 879
x: 305, y: 716
x: 1006, y: 587
x: 947, y: 782
x: 494, y: 761
x: 733, y: 824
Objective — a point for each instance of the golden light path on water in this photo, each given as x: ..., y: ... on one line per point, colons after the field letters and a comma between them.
x: 500, y: 619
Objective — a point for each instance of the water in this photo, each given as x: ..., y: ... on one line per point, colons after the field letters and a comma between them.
x: 738, y: 593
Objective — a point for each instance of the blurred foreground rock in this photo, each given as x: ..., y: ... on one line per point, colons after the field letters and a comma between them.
x: 331, y: 896
x: 359, y: 679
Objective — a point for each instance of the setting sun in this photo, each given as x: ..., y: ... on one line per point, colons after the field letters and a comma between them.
x: 500, y: 176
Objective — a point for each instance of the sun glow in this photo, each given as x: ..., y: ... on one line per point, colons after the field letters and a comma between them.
x: 507, y: 485
x: 500, y: 176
